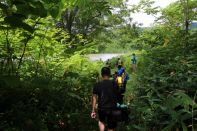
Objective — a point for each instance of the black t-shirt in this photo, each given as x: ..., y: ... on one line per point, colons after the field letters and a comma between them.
x: 107, y: 94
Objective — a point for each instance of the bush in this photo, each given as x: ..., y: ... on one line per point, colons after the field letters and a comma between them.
x: 49, y: 103
x: 165, y: 93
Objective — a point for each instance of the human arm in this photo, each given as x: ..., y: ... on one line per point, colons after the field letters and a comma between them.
x: 94, y: 101
x: 126, y: 77
x: 93, y: 113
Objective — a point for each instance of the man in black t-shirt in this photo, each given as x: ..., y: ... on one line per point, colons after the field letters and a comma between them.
x: 107, y: 100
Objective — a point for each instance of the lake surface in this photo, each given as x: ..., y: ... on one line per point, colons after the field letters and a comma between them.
x: 102, y: 57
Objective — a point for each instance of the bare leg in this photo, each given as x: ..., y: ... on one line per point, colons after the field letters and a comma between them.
x: 101, y: 126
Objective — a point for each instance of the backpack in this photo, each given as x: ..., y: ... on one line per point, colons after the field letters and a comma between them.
x: 120, y: 83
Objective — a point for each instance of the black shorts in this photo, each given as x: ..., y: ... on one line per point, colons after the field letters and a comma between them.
x: 106, y: 115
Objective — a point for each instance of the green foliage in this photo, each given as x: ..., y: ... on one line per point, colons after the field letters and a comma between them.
x: 111, y: 42
x: 52, y: 89
x: 145, y: 6
x: 15, y: 13
x: 46, y: 80
x: 41, y: 103
x: 156, y: 36
x: 166, y: 88
x: 174, y: 14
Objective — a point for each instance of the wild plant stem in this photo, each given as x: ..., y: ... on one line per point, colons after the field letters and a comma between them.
x: 193, y: 111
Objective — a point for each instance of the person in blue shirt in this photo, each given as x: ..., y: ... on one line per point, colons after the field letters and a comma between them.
x: 120, y: 70
x: 134, y: 62
x: 124, y: 78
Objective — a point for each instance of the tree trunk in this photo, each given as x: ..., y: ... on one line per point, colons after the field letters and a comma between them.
x: 8, y: 61
x: 39, y: 55
x: 186, y: 17
x: 25, y: 45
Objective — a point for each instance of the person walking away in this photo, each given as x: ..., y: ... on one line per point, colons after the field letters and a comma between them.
x: 134, y: 62
x: 121, y: 81
x: 119, y: 62
x: 108, y: 64
x: 107, y: 100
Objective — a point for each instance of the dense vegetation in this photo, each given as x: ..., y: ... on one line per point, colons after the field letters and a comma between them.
x: 46, y: 80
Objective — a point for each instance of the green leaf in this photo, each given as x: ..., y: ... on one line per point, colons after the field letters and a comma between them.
x: 33, y: 8
x: 38, y: 9
x: 184, y: 98
x: 3, y: 6
x: 5, y: 28
x: 54, y: 11
x: 184, y: 126
x: 74, y: 96
x: 169, y: 127
x: 16, y: 22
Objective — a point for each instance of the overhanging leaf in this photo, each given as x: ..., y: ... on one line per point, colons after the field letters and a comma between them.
x: 16, y: 22
x: 54, y: 11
